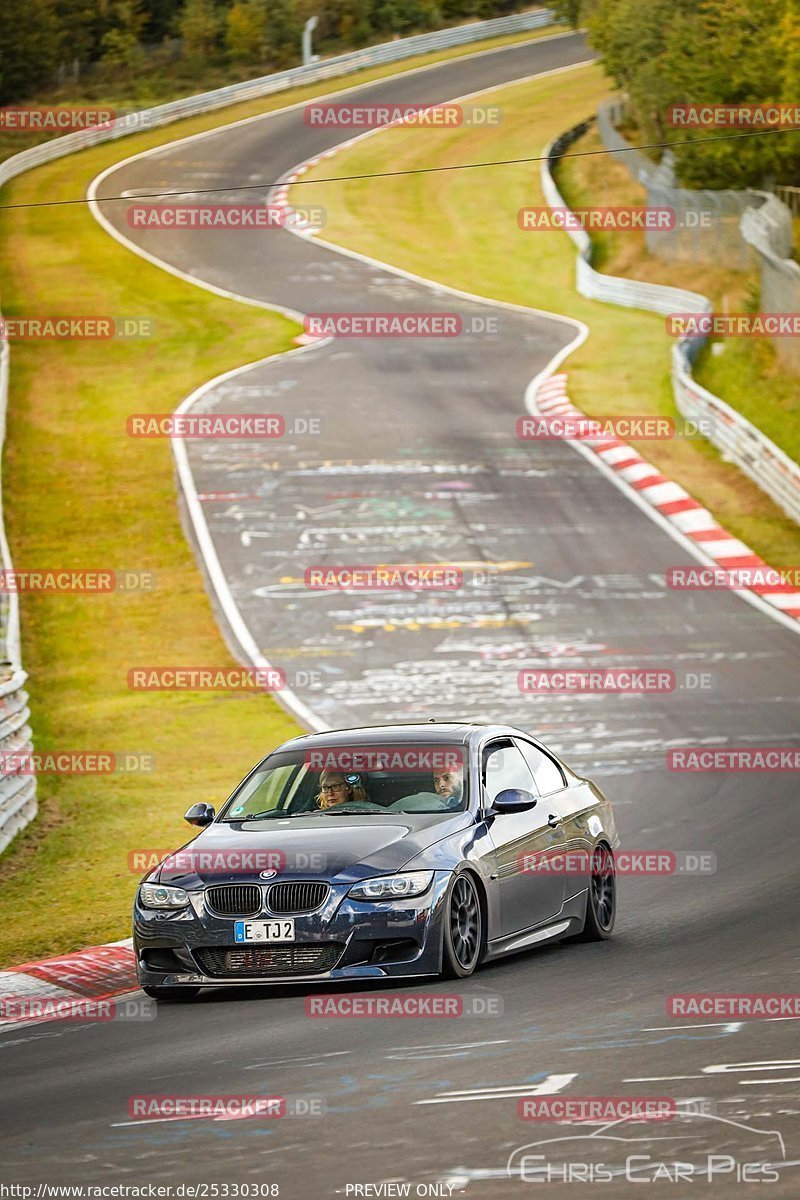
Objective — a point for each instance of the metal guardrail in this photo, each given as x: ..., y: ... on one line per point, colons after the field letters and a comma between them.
x: 740, y: 442
x: 18, y: 792
x: 266, y: 85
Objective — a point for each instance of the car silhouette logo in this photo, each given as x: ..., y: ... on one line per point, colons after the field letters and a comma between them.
x: 270, y: 874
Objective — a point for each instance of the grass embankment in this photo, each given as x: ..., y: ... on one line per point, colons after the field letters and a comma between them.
x: 746, y: 373
x: 461, y: 229
x: 80, y: 493
x: 144, y: 91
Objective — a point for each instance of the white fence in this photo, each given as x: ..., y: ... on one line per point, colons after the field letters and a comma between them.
x: 739, y: 441
x: 706, y: 227
x: 769, y: 231
x: 18, y: 792
x: 742, y: 229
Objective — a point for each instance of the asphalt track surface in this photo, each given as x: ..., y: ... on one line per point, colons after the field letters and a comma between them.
x: 418, y: 454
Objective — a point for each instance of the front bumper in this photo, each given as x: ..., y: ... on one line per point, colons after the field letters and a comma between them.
x: 379, y: 940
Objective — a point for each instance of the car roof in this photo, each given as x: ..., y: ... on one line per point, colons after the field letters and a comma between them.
x: 456, y: 732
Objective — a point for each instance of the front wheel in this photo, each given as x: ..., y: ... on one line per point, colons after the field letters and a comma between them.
x: 463, y: 928
x: 172, y: 995
x: 601, y: 903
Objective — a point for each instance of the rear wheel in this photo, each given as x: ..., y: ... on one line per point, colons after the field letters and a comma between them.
x: 463, y: 928
x: 601, y: 903
x: 172, y: 995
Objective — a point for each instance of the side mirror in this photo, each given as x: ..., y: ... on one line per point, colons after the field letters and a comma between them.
x: 512, y: 800
x: 200, y: 814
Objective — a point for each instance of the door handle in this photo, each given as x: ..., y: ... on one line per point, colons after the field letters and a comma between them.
x: 553, y: 820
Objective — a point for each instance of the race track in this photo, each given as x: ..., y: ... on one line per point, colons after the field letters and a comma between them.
x: 417, y: 460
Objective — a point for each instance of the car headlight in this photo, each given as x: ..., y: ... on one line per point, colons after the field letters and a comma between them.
x: 158, y: 895
x: 393, y: 887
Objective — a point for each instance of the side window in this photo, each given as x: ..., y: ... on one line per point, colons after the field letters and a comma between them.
x: 504, y: 767
x: 547, y: 773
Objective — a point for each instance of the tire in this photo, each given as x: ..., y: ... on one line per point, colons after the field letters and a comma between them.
x: 171, y: 995
x: 601, y: 901
x: 462, y: 933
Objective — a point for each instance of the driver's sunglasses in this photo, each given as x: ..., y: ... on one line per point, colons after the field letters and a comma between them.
x: 332, y: 787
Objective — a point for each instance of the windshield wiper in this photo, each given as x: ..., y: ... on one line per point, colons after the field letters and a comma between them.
x: 345, y: 811
x: 261, y: 816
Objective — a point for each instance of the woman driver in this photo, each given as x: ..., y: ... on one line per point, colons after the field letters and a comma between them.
x: 336, y: 788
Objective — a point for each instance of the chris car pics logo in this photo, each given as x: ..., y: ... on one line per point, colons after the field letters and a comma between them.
x: 620, y: 1152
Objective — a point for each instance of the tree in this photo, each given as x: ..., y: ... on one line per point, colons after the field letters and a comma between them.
x: 354, y: 26
x: 568, y: 11
x: 246, y: 31
x: 81, y: 25
x: 284, y: 32
x: 199, y: 27
x: 711, y: 52
x: 29, y: 47
x: 121, y: 46
x: 161, y: 18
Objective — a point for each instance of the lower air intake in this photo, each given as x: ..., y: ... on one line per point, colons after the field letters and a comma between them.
x: 268, y: 962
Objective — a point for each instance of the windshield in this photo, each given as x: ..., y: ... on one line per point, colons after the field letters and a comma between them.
x: 362, y: 780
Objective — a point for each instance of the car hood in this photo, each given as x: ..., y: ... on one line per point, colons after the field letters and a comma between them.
x: 344, y: 849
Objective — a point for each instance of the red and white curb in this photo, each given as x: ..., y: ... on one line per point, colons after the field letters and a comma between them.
x: 669, y: 499
x: 96, y: 973
x: 278, y: 198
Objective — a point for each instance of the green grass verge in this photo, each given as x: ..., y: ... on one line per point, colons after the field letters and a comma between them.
x: 461, y: 229
x: 79, y: 493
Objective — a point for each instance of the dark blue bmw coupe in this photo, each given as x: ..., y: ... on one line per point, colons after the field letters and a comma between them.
x: 390, y: 851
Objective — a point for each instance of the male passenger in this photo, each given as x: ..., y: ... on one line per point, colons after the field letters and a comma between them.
x: 448, y: 783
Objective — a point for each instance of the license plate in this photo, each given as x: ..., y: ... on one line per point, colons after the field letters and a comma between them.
x: 263, y: 931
